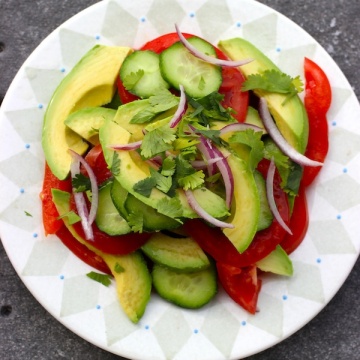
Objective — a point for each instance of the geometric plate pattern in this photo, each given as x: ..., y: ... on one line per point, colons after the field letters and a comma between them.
x: 221, y: 330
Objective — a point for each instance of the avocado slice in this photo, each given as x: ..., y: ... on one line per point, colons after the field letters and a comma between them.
x: 277, y: 262
x: 86, y: 122
x: 133, y: 282
x: 290, y: 117
x: 245, y: 208
x: 90, y: 83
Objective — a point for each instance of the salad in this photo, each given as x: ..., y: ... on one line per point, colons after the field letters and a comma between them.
x: 182, y: 166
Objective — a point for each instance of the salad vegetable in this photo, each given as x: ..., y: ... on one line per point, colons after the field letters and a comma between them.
x: 192, y: 174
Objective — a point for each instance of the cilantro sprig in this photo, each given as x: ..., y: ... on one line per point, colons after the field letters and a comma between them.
x: 274, y: 81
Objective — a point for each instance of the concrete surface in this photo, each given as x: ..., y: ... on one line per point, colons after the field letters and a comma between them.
x: 27, y: 331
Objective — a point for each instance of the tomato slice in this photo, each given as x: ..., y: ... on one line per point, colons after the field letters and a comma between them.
x: 216, y: 244
x: 49, y: 212
x: 242, y: 285
x: 81, y: 251
x: 95, y: 159
x: 317, y: 102
x: 299, y: 223
x: 162, y: 42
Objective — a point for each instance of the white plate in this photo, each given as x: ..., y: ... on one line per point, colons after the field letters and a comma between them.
x: 221, y: 330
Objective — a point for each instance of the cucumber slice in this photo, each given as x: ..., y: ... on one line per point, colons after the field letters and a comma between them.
x: 180, y: 253
x: 188, y: 290
x: 152, y: 219
x: 118, y: 196
x: 198, y: 77
x: 140, y: 74
x: 108, y: 219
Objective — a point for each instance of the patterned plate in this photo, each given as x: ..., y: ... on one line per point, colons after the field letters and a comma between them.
x: 221, y: 330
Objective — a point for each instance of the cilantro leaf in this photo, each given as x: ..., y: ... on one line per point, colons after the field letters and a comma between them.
x: 274, y: 81
x: 168, y: 166
x: 143, y: 116
x: 253, y: 140
x: 27, y: 213
x: 186, y: 176
x: 145, y: 186
x: 80, y: 183
x: 163, y: 100
x: 157, y: 141
x: 136, y: 221
x: 293, y: 180
x: 101, y: 278
x: 170, y: 207
x: 132, y: 79
x: 163, y: 183
x: 115, y: 165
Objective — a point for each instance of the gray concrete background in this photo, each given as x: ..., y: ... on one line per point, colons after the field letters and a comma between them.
x: 27, y: 331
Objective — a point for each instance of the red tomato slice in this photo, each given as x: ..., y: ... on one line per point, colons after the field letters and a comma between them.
x: 299, y: 223
x: 317, y: 102
x: 162, y: 42
x: 81, y: 251
x: 49, y: 212
x: 215, y: 243
x: 242, y: 285
x: 95, y: 159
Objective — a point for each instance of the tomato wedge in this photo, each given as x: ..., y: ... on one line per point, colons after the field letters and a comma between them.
x: 242, y: 285
x: 49, y: 212
x: 81, y: 251
x: 317, y: 102
x: 299, y: 223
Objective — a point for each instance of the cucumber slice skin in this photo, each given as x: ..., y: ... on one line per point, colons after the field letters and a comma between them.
x: 151, y: 81
x: 265, y: 216
x: 188, y: 290
x: 108, y: 219
x: 199, y: 78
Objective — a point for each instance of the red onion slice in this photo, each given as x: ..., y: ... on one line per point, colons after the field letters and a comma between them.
x: 130, y: 146
x: 180, y: 110
x: 271, y: 199
x: 80, y: 199
x: 202, y: 164
x: 239, y: 127
x: 209, y: 59
x: 275, y: 134
x: 204, y: 146
x: 203, y: 214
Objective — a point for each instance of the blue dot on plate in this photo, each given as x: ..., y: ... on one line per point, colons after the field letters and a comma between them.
x: 98, y: 307
x: 318, y: 260
x: 27, y: 146
x: 35, y: 235
x: 278, y: 49
x: 339, y: 217
x: 22, y: 190
x: 284, y: 297
x: 62, y: 69
x: 192, y: 14
x: 238, y: 24
x: 147, y: 327
x: 243, y: 323
x: 196, y: 331
x: 97, y: 37
x: 40, y: 106
x: 143, y: 19
x: 61, y: 277
x: 345, y: 170
x: 333, y: 123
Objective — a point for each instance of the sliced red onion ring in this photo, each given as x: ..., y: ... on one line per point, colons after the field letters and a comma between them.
x: 180, y: 110
x: 209, y: 59
x: 275, y: 134
x: 204, y: 146
x: 202, y: 164
x: 271, y: 199
x: 239, y: 127
x: 203, y: 214
x: 130, y: 146
x: 80, y: 199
